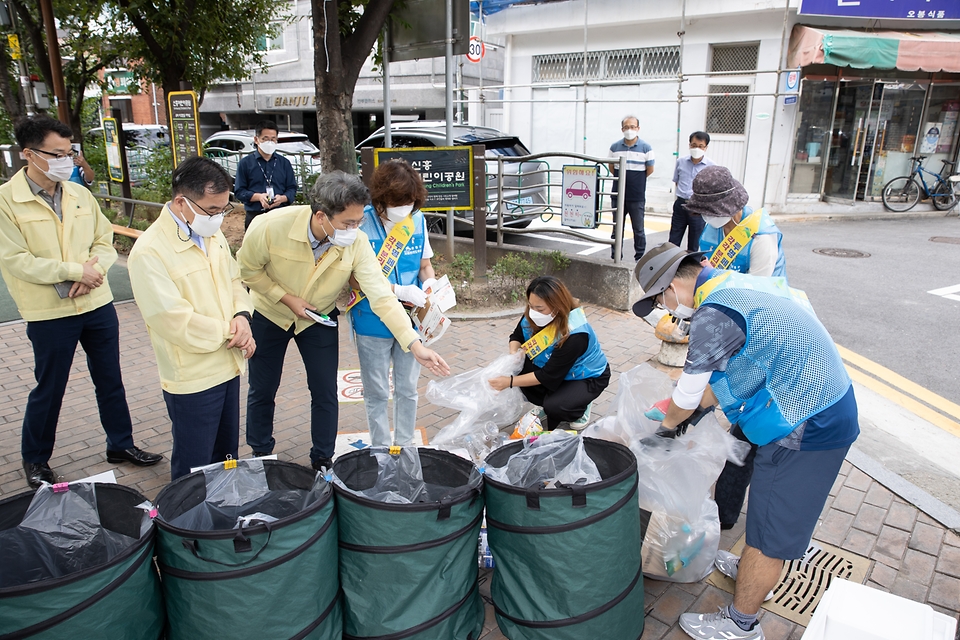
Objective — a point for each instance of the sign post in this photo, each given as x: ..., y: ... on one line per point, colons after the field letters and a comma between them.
x: 184, y: 127
x: 116, y: 143
x: 578, y: 200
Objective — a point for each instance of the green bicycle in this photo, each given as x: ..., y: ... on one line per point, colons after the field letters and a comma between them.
x: 903, y: 193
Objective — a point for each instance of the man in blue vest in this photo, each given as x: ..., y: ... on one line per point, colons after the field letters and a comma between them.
x: 758, y: 351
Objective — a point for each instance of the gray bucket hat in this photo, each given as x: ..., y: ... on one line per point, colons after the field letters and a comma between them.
x: 716, y: 193
x: 655, y: 272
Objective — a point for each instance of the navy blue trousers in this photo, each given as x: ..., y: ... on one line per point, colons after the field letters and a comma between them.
x: 319, y: 347
x: 683, y: 220
x: 54, y: 345
x: 632, y: 209
x: 206, y: 426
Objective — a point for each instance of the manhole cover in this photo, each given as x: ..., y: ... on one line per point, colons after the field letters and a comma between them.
x: 945, y: 239
x: 842, y: 253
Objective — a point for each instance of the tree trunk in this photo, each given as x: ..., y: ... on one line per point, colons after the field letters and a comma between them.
x: 335, y: 124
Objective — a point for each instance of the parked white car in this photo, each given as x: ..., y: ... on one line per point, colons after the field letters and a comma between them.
x: 227, y: 148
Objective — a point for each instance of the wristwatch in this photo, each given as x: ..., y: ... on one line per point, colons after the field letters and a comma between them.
x: 245, y: 314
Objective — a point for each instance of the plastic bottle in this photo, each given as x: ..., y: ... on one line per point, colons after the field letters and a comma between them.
x: 681, y: 549
x: 476, y: 449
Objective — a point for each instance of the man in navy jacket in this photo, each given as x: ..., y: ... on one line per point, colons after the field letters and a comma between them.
x: 265, y: 179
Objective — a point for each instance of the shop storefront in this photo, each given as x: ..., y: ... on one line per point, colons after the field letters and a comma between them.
x: 895, y: 96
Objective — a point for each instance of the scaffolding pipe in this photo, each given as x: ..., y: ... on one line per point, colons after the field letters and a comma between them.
x: 680, y: 77
x: 585, y: 76
x: 776, y: 105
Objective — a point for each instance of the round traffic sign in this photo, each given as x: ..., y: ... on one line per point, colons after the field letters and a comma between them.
x: 477, y: 49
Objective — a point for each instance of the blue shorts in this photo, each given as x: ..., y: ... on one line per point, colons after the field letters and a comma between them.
x: 787, y: 494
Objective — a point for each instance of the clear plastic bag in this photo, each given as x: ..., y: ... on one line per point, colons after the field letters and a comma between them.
x: 475, y: 432
x: 676, y: 550
x: 547, y: 461
x: 60, y: 534
x: 400, y: 479
x: 241, y: 497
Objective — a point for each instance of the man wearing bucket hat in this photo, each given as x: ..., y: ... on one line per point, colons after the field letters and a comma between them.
x: 758, y: 351
x: 735, y: 236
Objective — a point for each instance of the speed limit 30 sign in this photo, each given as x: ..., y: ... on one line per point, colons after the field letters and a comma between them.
x: 477, y: 49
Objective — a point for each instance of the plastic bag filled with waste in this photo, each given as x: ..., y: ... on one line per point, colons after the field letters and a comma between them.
x: 547, y: 461
x: 399, y: 479
x: 240, y: 497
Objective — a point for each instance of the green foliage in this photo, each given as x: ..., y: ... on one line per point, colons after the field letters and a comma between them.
x: 157, y: 186
x: 514, y: 271
x: 558, y: 259
x: 461, y: 268
x: 6, y: 128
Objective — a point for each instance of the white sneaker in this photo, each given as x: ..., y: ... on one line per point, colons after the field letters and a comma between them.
x: 717, y: 626
x: 581, y: 423
x: 728, y: 564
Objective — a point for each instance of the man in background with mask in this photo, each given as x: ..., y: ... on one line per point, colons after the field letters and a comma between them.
x: 296, y: 262
x: 639, y: 157
x: 686, y: 170
x: 55, y: 250
x: 197, y: 312
x: 265, y: 179
x: 758, y: 351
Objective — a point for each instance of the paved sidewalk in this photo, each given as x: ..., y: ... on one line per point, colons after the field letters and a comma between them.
x: 912, y: 554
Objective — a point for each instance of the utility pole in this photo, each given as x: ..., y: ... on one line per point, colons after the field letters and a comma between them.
x: 25, y: 87
x: 56, y: 64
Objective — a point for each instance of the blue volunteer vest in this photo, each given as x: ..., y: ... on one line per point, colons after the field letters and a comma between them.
x: 789, y: 368
x: 589, y: 365
x: 407, y: 271
x: 712, y: 237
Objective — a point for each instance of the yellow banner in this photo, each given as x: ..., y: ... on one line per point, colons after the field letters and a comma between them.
x: 13, y: 41
x: 389, y: 254
x: 546, y: 336
x: 731, y: 246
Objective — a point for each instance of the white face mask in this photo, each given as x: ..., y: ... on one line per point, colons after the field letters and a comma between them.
x: 203, y: 225
x: 696, y: 153
x: 396, y: 214
x: 631, y: 134
x: 717, y: 223
x: 683, y: 312
x: 59, y: 170
x: 341, y: 237
x: 267, y: 147
x: 541, y: 319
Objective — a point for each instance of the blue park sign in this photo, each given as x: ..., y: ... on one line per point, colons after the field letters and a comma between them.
x: 925, y: 10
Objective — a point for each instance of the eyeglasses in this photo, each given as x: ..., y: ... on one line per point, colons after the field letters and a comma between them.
x: 212, y: 214
x: 58, y: 156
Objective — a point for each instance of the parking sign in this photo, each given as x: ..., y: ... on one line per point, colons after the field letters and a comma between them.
x: 579, y: 198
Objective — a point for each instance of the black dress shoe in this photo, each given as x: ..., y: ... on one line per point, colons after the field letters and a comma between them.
x: 38, y: 473
x: 260, y: 454
x: 134, y: 455
x: 322, y: 463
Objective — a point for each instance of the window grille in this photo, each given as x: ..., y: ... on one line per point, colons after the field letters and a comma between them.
x: 735, y: 57
x: 620, y: 64
x: 727, y: 113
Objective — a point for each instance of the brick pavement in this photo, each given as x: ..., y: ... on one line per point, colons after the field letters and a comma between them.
x: 911, y: 554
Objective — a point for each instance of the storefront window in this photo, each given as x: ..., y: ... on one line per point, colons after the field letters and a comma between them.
x: 898, y: 124
x: 816, y: 114
x: 939, y: 131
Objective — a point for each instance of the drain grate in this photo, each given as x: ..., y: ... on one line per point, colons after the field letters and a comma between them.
x: 945, y: 239
x: 803, y: 582
x: 842, y: 253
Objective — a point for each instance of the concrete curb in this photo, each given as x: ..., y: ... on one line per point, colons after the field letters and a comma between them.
x: 913, y: 494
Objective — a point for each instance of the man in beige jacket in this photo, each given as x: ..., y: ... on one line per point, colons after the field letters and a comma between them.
x: 296, y: 261
x: 55, y: 250
x: 188, y: 288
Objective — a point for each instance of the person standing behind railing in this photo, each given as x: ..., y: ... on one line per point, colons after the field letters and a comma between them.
x: 265, y: 179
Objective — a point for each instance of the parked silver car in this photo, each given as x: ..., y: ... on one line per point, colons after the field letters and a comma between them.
x: 524, y: 189
x: 227, y: 148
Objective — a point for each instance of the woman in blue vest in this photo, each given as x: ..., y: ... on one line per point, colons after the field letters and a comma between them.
x: 396, y: 193
x: 567, y: 370
x: 722, y: 202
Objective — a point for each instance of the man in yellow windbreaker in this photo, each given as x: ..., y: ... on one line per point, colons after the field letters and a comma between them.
x: 55, y: 250
x: 188, y: 288
x: 296, y: 261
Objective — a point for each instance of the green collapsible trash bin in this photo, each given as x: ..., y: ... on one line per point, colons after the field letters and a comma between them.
x: 409, y: 524
x: 76, y: 561
x: 567, y: 558
x: 248, y: 549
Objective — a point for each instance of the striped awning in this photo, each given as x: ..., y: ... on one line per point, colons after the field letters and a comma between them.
x: 905, y: 50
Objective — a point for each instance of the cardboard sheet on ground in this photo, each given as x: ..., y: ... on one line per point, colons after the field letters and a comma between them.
x: 350, y: 388
x: 347, y: 442
x: 803, y: 582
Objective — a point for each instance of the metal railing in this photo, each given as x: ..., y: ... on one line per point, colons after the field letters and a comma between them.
x: 304, y: 164
x: 522, y: 189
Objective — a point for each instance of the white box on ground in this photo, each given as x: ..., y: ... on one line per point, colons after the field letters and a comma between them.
x: 851, y: 611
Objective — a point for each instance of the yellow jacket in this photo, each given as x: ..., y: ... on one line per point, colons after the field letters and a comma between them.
x: 188, y: 300
x: 37, y: 250
x: 276, y: 259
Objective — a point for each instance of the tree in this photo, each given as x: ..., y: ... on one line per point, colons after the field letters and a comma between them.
x: 353, y: 27
x: 198, y: 42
